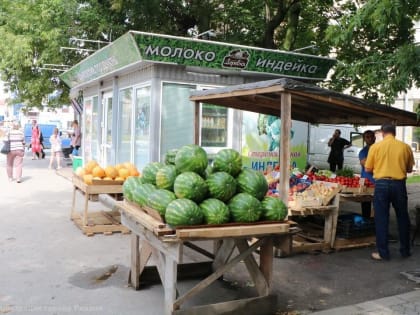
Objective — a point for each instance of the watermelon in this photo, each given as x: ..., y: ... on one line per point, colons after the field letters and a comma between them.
x: 183, y: 212
x: 129, y: 185
x: 229, y: 161
x: 215, y: 211
x: 165, y: 177
x: 253, y: 183
x: 245, y: 208
x: 142, y: 192
x: 221, y: 185
x: 170, y: 156
x: 273, y: 209
x: 159, y: 200
x: 190, y: 185
x: 191, y: 158
x: 208, y: 171
x: 149, y: 172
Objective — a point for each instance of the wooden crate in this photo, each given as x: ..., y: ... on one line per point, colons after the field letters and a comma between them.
x: 100, y: 222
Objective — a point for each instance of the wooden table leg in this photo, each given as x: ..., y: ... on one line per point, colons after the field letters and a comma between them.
x: 266, y: 260
x: 170, y: 284
x: 85, y: 211
x: 135, y: 262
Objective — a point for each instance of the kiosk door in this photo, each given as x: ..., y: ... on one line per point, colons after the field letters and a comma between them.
x: 106, y: 146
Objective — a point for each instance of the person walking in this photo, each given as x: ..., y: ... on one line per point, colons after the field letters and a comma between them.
x: 35, y: 141
x: 336, y: 156
x: 56, y: 149
x: 390, y: 160
x: 369, y: 138
x: 14, y: 159
x: 76, y: 138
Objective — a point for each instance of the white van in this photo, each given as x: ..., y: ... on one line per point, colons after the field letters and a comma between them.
x: 318, y: 149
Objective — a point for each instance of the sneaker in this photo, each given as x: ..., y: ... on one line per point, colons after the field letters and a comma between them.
x: 59, y: 168
x: 18, y: 180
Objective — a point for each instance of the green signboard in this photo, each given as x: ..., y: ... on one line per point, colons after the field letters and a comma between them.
x: 122, y: 52
x: 136, y: 46
x: 215, y: 55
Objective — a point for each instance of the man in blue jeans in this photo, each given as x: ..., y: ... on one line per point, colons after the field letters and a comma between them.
x: 390, y: 160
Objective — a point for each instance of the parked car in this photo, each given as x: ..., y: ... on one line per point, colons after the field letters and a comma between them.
x: 46, y: 129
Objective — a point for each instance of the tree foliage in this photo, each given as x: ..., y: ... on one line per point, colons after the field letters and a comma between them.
x: 378, y: 57
x: 373, y: 41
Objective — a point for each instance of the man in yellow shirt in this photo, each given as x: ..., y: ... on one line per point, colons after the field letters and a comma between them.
x: 390, y: 160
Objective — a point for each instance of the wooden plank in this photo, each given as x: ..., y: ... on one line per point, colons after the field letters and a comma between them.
x: 262, y: 305
x: 223, y: 250
x: 233, y: 231
x: 135, y: 262
x: 169, y: 284
x: 219, y: 272
x: 256, y: 275
x: 286, y: 125
x: 266, y: 261
x: 141, y: 217
x: 341, y: 243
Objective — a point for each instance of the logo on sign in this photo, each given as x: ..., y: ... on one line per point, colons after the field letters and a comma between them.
x: 236, y: 59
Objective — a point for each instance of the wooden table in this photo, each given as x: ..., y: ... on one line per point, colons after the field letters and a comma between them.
x: 302, y: 242
x: 152, y: 238
x: 89, y: 222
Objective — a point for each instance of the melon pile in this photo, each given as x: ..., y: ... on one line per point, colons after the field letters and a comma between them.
x: 93, y: 171
x: 188, y: 190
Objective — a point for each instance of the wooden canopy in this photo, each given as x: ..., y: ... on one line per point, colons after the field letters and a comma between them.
x: 290, y: 99
x: 309, y: 103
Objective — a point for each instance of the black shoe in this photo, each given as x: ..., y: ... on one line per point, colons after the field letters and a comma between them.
x: 43, y: 155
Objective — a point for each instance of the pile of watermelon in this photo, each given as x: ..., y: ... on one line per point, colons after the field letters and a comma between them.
x: 188, y: 190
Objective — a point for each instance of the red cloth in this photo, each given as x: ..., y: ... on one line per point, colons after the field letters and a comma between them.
x: 35, y: 142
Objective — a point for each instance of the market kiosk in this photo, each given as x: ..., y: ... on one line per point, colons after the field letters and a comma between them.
x: 290, y: 99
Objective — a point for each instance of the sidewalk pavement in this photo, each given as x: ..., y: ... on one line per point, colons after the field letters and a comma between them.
x: 47, y: 266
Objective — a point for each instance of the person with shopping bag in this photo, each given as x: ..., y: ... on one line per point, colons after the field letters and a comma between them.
x: 14, y: 160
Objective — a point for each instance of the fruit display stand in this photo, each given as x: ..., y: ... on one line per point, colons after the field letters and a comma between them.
x: 92, y: 222
x: 323, y: 240
x: 151, y: 237
x: 359, y: 194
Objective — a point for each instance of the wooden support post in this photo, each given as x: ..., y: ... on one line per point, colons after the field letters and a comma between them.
x: 266, y: 260
x: 286, y: 126
x: 169, y: 285
x: 135, y: 262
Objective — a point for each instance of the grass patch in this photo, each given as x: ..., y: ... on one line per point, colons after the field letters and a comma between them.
x: 413, y: 179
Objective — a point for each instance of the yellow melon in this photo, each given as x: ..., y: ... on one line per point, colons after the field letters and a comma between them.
x: 119, y: 178
x: 98, y: 171
x: 133, y: 171
x: 87, y: 178
x: 118, y: 166
x: 107, y: 178
x: 90, y: 166
x: 123, y: 172
x: 111, y: 171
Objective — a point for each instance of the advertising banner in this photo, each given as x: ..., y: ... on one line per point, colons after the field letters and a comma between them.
x: 261, y: 142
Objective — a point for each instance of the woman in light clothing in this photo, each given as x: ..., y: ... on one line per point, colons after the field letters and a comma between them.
x: 56, y: 150
x: 17, y: 151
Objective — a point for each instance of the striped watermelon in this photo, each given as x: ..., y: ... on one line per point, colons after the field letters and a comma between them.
x: 190, y: 185
x: 245, y: 208
x: 229, y: 161
x: 142, y: 192
x: 221, y: 185
x: 165, y: 177
x: 159, y: 200
x: 191, y: 158
x: 170, y: 156
x: 215, y: 211
x: 149, y: 172
x: 129, y: 185
x: 253, y: 183
x: 183, y: 212
x: 273, y: 209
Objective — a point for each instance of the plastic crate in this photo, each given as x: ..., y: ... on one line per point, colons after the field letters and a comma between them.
x: 354, y: 225
x: 77, y: 162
